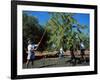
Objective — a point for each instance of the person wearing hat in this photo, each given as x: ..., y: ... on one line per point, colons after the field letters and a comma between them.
x: 31, y: 54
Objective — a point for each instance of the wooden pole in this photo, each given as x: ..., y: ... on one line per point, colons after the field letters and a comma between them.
x: 41, y: 39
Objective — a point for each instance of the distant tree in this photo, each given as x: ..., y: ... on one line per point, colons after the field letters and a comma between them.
x: 31, y: 29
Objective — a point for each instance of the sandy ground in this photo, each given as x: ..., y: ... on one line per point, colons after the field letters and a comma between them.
x: 56, y: 62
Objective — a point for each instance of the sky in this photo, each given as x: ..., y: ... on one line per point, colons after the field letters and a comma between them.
x: 83, y: 19
x: 43, y: 17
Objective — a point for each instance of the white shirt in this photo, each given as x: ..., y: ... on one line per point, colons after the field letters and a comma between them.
x: 82, y: 46
x: 61, y: 51
x: 31, y: 46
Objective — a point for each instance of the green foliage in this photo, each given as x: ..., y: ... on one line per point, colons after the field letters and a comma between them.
x: 31, y: 29
x: 61, y: 33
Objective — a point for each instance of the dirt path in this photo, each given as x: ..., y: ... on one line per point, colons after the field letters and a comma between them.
x: 55, y: 62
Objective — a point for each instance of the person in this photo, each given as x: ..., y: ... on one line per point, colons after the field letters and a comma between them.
x: 31, y: 54
x: 61, y: 53
x: 73, y: 58
x: 82, y: 51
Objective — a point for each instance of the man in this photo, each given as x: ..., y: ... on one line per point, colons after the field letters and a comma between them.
x: 73, y: 58
x: 61, y: 53
x: 82, y: 49
x: 31, y: 54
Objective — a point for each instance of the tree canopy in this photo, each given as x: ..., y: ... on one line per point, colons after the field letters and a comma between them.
x: 59, y: 29
x: 61, y: 33
x: 31, y: 29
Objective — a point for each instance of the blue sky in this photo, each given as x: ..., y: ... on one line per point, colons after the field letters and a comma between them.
x: 83, y: 19
x: 43, y: 17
